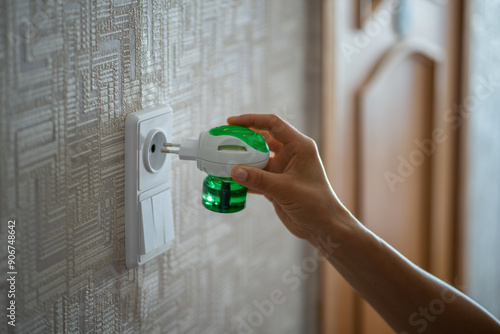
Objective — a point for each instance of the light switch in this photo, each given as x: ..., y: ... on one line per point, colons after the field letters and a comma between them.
x: 159, y: 219
x: 169, y: 222
x: 149, y: 226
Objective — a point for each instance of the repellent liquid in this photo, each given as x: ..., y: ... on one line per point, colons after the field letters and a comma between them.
x: 222, y: 194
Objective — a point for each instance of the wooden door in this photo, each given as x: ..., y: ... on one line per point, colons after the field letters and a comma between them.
x: 391, y: 80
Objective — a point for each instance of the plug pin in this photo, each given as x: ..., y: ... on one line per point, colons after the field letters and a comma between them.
x: 168, y: 150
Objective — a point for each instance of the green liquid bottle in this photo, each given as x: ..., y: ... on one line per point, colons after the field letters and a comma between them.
x: 223, y: 195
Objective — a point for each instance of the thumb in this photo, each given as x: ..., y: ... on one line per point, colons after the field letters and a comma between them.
x: 268, y: 183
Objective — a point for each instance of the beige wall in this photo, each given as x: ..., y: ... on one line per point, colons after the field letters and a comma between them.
x: 483, y: 198
x: 71, y: 71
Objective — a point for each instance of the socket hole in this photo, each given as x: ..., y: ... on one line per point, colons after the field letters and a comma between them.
x: 154, y: 158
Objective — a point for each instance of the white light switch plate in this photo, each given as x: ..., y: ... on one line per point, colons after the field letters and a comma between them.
x: 149, y: 225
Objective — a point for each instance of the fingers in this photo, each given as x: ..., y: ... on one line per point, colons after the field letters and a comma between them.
x: 258, y: 180
x: 277, y: 127
x: 273, y: 144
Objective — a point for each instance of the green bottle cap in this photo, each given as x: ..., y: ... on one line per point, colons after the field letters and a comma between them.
x: 250, y: 137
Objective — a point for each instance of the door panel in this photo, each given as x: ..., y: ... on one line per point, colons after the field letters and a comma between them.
x: 395, y: 174
x: 384, y: 98
x: 398, y: 214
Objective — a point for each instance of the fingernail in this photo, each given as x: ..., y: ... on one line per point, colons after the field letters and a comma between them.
x: 241, y: 175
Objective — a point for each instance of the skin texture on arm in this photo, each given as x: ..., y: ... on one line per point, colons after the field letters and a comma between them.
x: 408, y: 298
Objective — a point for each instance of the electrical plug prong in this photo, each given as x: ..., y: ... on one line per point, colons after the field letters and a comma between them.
x: 187, y: 150
x: 168, y: 150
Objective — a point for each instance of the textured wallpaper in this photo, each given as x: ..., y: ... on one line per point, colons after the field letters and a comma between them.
x: 70, y: 72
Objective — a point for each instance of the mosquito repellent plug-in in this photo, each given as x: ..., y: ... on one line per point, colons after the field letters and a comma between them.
x: 217, y: 152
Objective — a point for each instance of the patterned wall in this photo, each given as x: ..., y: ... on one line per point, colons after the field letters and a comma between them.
x: 70, y: 72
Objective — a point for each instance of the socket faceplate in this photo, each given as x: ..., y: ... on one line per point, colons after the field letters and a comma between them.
x: 149, y: 226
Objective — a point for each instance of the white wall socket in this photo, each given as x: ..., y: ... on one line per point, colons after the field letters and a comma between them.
x: 149, y: 225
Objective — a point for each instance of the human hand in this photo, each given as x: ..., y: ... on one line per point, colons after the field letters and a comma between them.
x: 294, y: 180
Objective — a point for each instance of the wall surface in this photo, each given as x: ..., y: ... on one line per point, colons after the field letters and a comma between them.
x: 71, y: 71
x: 483, y: 230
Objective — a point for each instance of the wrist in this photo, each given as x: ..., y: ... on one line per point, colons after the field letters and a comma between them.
x: 338, y: 227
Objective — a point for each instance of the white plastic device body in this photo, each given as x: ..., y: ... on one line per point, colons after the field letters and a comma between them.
x: 149, y: 226
x: 218, y: 155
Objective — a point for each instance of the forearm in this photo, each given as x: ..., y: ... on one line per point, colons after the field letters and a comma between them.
x: 408, y: 298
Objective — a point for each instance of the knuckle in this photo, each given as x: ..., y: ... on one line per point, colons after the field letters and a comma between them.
x: 274, y: 119
x: 306, y: 146
x: 310, y: 144
x: 313, y: 145
x: 276, y: 123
